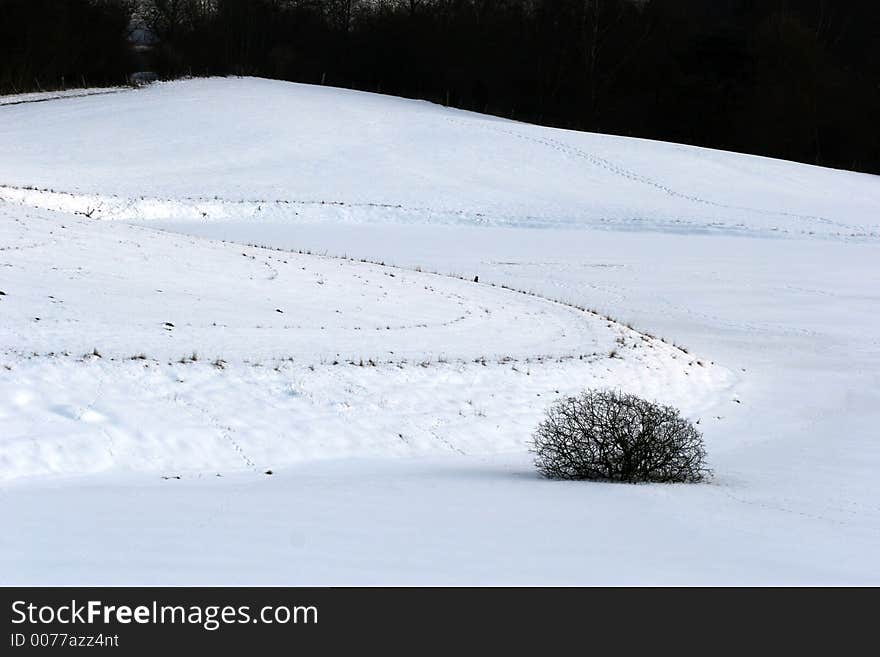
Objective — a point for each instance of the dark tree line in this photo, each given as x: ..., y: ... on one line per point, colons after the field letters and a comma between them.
x: 52, y: 44
x: 797, y: 79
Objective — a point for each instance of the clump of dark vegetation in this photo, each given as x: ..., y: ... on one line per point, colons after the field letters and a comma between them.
x: 192, y: 358
x: 606, y: 435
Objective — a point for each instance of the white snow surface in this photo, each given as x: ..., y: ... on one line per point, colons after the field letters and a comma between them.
x: 252, y: 148
x: 126, y: 347
x: 207, y: 280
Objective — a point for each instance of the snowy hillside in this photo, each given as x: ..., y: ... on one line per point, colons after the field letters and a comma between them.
x: 299, y: 152
x: 126, y: 347
x: 375, y: 299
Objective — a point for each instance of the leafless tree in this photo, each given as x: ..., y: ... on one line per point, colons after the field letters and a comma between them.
x: 168, y: 18
x: 611, y: 436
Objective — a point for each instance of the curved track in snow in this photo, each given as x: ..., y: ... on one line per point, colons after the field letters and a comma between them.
x: 127, y: 347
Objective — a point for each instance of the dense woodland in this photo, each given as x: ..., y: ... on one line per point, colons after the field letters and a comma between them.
x: 797, y: 79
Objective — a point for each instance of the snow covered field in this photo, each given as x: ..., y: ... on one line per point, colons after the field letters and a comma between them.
x: 150, y: 374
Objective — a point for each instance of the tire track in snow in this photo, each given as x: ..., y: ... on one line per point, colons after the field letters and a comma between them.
x: 43, y: 97
x: 192, y: 208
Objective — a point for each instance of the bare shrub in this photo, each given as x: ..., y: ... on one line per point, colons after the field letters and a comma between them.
x: 611, y: 436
